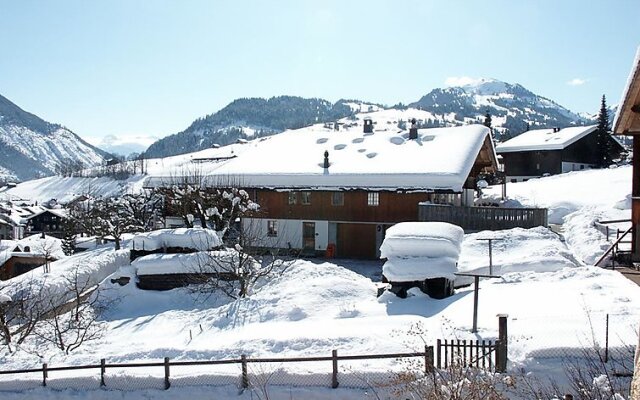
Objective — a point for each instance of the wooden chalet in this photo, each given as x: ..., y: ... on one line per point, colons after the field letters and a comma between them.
x: 627, y: 122
x: 542, y: 152
x: 336, y: 193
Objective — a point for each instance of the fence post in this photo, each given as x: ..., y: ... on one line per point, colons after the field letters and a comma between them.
x: 44, y: 374
x: 167, y: 384
x: 334, y: 373
x: 103, y: 369
x: 428, y: 359
x: 606, y: 341
x: 245, y: 374
x: 439, y: 352
x: 501, y: 345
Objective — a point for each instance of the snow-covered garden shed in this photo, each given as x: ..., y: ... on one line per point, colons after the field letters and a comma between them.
x: 423, y: 255
x: 538, y: 152
x: 321, y: 189
x: 169, y: 258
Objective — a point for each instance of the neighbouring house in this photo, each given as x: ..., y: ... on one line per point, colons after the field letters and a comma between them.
x: 542, y: 152
x: 322, y: 191
x: 21, y: 256
x: 6, y: 229
x: 627, y: 122
x: 20, y: 220
x: 423, y: 255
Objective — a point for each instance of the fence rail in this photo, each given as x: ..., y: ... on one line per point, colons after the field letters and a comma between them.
x: 484, y: 218
x: 244, y: 377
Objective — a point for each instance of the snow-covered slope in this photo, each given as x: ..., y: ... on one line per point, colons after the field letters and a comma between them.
x: 512, y: 107
x: 31, y: 147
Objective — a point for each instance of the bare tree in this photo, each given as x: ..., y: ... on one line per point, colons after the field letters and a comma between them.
x: 71, y: 317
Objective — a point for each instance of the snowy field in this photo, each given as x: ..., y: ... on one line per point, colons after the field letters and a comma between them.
x: 555, y: 300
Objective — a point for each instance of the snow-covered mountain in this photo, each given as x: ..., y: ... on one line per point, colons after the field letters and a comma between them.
x: 255, y: 117
x: 31, y: 147
x: 513, y: 108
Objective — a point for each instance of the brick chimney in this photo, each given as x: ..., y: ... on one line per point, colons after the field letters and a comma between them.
x: 413, y: 131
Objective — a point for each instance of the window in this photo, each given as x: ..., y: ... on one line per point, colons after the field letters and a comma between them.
x: 337, y: 199
x: 272, y: 228
x: 306, y: 197
x: 373, y: 199
x: 293, y: 198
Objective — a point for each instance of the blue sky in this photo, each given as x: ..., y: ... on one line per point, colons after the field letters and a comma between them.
x: 131, y: 68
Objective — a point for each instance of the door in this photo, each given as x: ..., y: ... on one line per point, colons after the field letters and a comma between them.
x: 309, y: 235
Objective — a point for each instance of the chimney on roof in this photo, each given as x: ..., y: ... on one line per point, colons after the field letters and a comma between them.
x: 326, y: 159
x: 368, y: 125
x: 413, y: 131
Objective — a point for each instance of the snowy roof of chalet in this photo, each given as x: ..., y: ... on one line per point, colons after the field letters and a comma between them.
x: 545, y: 139
x: 626, y: 121
x: 440, y: 159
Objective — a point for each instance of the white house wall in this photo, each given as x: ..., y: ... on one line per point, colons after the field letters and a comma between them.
x: 289, y: 232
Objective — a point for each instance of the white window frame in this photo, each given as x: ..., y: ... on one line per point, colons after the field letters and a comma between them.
x: 272, y: 228
x: 373, y: 199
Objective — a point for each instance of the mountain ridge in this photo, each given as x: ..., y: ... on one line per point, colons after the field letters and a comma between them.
x: 31, y: 147
x: 513, y: 108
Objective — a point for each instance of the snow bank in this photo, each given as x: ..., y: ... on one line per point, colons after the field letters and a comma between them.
x: 422, y: 239
x: 190, y: 238
x: 200, y: 262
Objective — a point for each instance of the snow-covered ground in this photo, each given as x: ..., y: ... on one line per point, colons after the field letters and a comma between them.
x: 556, y: 303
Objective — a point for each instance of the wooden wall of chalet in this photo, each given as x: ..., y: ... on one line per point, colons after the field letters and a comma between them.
x: 536, y: 163
x: 532, y: 163
x: 48, y: 223
x: 18, y: 265
x: 582, y: 151
x: 392, y: 207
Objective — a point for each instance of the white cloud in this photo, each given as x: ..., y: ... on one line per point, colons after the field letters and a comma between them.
x: 462, y: 81
x: 576, y: 82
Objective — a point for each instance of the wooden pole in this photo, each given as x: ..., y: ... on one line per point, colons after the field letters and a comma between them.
x: 606, y: 341
x: 167, y: 384
x: 490, y: 257
x: 245, y: 374
x: 428, y: 359
x: 334, y: 374
x: 502, y: 345
x: 476, y: 284
x: 103, y: 369
x: 44, y: 374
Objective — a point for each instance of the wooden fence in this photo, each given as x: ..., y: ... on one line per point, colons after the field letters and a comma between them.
x: 448, y: 353
x: 478, y: 353
x: 244, y: 362
x: 484, y: 218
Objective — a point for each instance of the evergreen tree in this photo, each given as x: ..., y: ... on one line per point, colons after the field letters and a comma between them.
x: 69, y: 238
x: 487, y: 119
x: 603, y: 142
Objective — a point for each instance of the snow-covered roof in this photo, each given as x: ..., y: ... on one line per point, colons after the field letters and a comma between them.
x: 201, y: 262
x: 190, y: 238
x: 625, y: 116
x: 545, y: 139
x: 439, y: 159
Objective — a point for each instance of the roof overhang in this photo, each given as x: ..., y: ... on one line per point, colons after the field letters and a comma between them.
x: 627, y: 121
